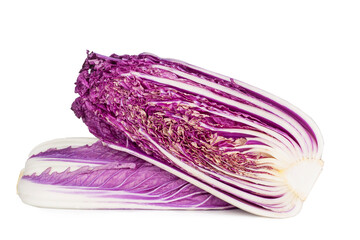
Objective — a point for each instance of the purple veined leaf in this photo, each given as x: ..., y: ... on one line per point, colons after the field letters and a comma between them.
x: 237, y: 142
x: 82, y: 173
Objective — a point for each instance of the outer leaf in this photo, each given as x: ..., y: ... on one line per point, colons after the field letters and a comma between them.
x: 235, y: 141
x: 82, y: 173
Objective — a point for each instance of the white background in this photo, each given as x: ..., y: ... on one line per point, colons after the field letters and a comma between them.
x: 307, y: 52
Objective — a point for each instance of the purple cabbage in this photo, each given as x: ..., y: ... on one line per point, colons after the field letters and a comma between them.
x: 237, y: 142
x: 95, y: 176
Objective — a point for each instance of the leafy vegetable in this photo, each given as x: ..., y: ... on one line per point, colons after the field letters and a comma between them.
x: 82, y: 173
x: 237, y: 142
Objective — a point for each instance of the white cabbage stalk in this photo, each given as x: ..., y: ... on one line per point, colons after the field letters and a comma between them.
x: 81, y: 173
x: 235, y: 141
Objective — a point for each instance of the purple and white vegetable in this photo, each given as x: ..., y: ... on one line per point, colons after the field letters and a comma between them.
x: 235, y: 141
x: 82, y: 173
